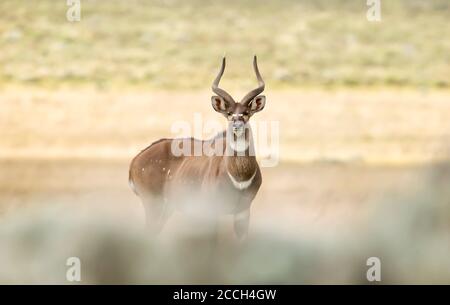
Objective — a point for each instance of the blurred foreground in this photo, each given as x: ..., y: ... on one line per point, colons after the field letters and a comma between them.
x: 310, y: 224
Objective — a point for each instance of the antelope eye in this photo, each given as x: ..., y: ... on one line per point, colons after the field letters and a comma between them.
x: 230, y: 113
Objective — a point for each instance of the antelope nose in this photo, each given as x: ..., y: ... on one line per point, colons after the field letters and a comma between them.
x: 238, y: 125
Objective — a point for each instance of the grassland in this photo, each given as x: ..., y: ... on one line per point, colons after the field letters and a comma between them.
x: 177, y: 44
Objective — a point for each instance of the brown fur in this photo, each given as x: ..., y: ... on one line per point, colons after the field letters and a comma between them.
x: 160, y: 178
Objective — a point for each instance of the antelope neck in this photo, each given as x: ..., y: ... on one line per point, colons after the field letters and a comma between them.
x: 241, y: 169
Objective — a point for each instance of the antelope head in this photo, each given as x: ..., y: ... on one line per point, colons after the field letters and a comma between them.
x: 238, y: 114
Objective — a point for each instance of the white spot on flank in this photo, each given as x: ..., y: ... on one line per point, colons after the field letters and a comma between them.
x: 143, y: 169
x: 241, y: 185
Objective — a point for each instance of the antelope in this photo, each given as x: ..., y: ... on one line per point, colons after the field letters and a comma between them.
x: 223, y: 180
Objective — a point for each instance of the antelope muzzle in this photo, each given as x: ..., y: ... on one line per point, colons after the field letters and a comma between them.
x: 238, y: 126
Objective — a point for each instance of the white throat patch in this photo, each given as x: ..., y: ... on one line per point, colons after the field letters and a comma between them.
x: 241, y: 185
x: 240, y: 145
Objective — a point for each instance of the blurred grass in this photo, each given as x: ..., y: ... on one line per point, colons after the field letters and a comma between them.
x: 405, y: 224
x: 177, y: 44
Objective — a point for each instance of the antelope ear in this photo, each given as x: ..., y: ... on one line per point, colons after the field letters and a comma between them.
x: 257, y: 104
x: 219, y: 104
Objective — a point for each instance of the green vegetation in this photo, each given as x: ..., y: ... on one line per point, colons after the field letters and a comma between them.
x: 178, y: 44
